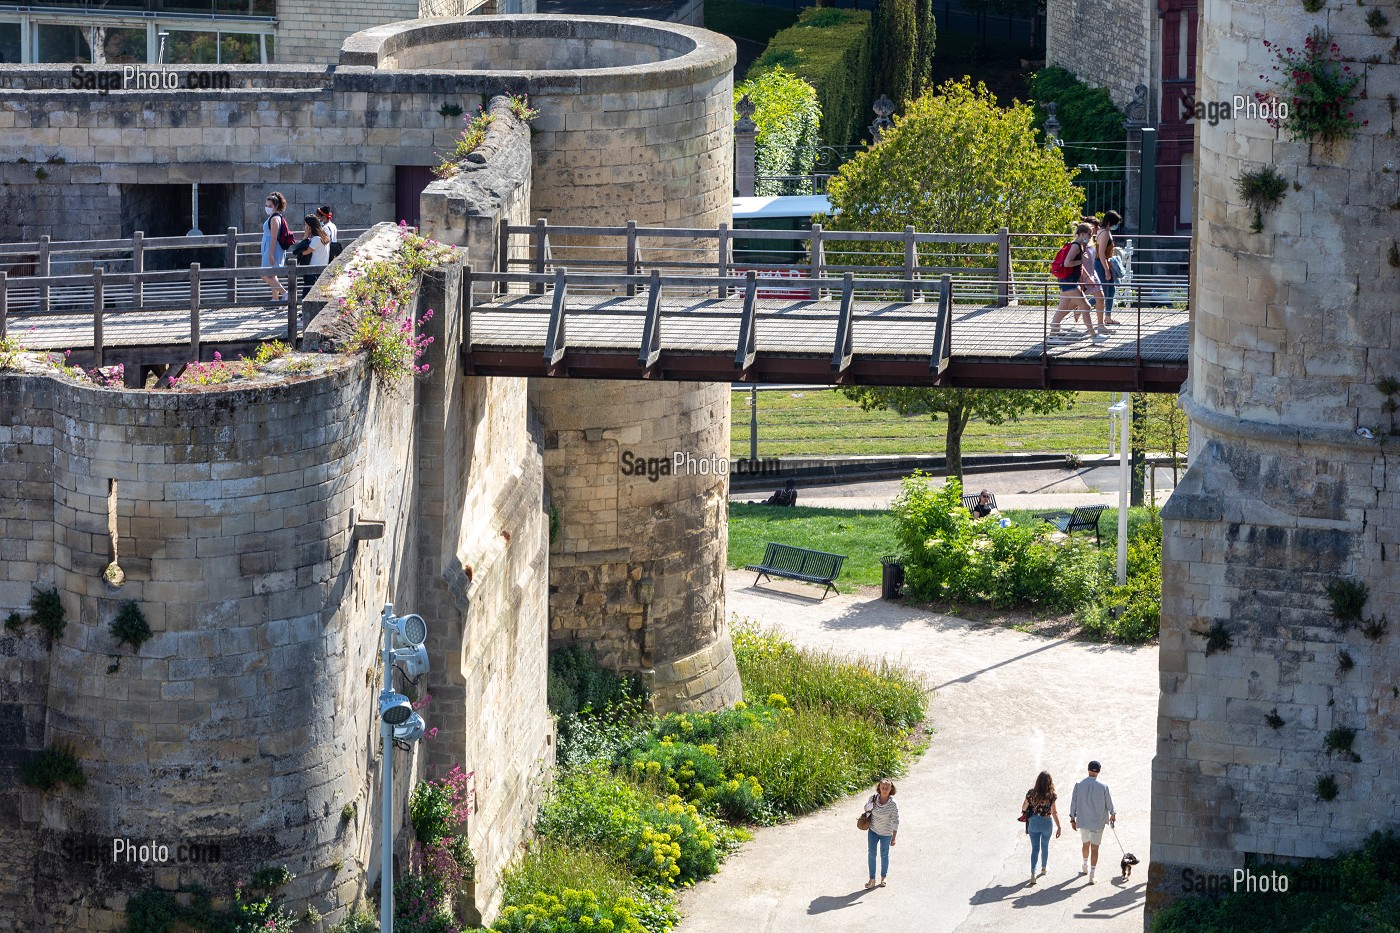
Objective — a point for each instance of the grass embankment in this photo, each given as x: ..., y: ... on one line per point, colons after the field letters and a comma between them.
x: 823, y: 422
x: 644, y: 804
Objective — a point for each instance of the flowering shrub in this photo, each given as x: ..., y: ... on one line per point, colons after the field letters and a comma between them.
x: 108, y: 377
x: 520, y: 106
x: 1320, y: 91
x: 439, y: 811
x: 695, y: 773
x: 10, y: 350
x: 422, y: 906
x: 665, y: 840
x: 571, y: 911
x: 379, y: 302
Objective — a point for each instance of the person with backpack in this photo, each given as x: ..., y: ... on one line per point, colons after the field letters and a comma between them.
x: 277, y: 238
x: 324, y: 215
x: 1067, y: 269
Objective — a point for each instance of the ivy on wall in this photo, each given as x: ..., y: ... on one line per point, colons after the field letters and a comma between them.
x: 788, y: 117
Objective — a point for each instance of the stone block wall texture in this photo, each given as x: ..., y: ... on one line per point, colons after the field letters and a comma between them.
x: 488, y: 554
x: 1106, y: 43
x: 246, y: 720
x: 306, y: 35
x: 1292, y: 328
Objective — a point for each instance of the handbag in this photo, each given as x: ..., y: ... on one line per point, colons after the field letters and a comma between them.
x: 863, y: 821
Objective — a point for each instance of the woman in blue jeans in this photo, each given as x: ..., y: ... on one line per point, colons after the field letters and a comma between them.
x: 1041, y: 817
x: 884, y: 826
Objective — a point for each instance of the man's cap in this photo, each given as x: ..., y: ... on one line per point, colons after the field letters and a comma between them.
x: 1094, y: 766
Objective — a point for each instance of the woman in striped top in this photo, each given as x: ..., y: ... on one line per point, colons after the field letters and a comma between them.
x: 884, y: 826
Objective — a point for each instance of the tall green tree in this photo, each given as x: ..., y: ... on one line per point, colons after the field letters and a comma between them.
x: 788, y: 117
x: 903, y: 53
x: 955, y: 162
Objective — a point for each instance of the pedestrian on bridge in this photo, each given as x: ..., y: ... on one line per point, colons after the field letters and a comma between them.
x: 1071, y: 288
x: 1107, y: 264
x: 275, y: 233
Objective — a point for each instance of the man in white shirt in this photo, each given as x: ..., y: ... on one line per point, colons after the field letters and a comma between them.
x: 1090, y: 809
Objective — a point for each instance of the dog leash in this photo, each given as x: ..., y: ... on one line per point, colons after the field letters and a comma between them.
x: 1122, y: 852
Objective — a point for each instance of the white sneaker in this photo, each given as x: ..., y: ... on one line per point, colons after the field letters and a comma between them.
x: 1099, y: 338
x: 1084, y: 868
x: 1091, y: 876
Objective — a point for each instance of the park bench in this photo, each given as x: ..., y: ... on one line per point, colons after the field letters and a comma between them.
x: 1085, y: 518
x: 799, y: 563
x: 970, y: 502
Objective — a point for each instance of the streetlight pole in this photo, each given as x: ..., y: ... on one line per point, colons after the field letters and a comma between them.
x: 1121, y: 408
x: 386, y: 773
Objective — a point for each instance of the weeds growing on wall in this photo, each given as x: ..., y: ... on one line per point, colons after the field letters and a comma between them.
x: 255, y: 908
x: 130, y: 626
x: 1262, y: 189
x: 11, y: 351
x: 1319, y: 89
x: 51, y: 767
x: 379, y: 307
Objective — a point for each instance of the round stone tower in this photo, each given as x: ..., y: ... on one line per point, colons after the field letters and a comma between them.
x: 1291, y: 489
x: 637, y: 568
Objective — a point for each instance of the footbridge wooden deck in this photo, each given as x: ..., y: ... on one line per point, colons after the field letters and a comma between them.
x: 844, y: 336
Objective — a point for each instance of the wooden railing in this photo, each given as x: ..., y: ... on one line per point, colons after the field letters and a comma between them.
x: 233, y: 289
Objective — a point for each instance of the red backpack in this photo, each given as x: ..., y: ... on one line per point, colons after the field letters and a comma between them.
x: 1058, y: 268
x: 284, y: 233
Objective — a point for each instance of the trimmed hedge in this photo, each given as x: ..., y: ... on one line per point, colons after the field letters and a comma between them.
x: 1086, y: 114
x: 830, y: 49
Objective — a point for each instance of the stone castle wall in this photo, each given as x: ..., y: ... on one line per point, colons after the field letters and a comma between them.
x: 1105, y: 43
x: 1292, y: 329
x: 244, y: 722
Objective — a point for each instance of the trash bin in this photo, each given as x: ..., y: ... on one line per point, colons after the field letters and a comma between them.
x: 891, y: 578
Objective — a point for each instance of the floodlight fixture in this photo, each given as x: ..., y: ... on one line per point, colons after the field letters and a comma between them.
x: 410, y: 730
x: 413, y: 659
x: 409, y: 629
x: 394, y: 708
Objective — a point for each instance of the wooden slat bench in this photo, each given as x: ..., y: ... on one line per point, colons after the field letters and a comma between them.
x: 1085, y: 518
x: 970, y: 502
x: 799, y: 563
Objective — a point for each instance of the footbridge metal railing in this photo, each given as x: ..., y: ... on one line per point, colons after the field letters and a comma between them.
x: 829, y: 329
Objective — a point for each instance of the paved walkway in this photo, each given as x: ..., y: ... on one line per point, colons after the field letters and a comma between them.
x: 1006, y: 705
x: 1055, y: 488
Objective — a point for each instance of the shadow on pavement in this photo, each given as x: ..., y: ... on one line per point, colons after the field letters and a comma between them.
x: 801, y: 599
x: 825, y: 903
x: 1041, y: 894
x: 1121, y: 901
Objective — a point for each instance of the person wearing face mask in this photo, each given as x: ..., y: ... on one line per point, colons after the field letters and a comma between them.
x: 1107, y: 264
x: 274, y: 234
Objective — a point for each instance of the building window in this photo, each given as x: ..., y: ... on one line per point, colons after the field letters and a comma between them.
x: 212, y: 48
x: 11, y: 43
x: 1182, y: 66
x: 61, y: 44
x: 122, y: 46
x: 1187, y: 189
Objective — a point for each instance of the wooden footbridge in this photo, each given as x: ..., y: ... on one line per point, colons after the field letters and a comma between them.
x: 834, y: 308
x: 781, y: 306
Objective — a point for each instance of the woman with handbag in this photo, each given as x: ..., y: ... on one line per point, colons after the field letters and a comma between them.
x: 1037, y: 812
x: 880, y: 820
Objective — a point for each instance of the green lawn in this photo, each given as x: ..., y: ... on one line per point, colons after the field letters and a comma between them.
x: 823, y: 422
x: 747, y: 20
x: 863, y: 536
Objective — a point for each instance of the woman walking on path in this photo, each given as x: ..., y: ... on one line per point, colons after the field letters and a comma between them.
x: 1041, y: 814
x: 884, y: 826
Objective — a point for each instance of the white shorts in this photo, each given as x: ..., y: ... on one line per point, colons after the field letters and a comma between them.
x: 1091, y: 836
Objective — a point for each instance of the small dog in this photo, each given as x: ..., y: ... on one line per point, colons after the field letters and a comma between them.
x: 1126, y: 866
